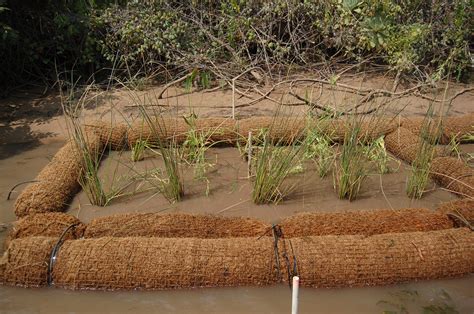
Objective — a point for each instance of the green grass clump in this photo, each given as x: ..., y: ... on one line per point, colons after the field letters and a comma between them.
x: 194, y: 149
x: 169, y: 181
x: 273, y: 165
x: 351, y: 167
x: 377, y: 153
x: 429, y: 137
x: 318, y: 147
x: 138, y: 150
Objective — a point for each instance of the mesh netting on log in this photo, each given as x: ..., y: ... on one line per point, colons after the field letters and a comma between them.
x: 353, y: 260
x: 370, y: 129
x: 454, y: 175
x: 57, y: 182
x: 174, y: 226
x: 111, y: 263
x: 25, y: 263
x: 176, y: 129
x: 48, y: 225
x: 364, y: 222
x: 281, y: 129
x: 163, y: 263
x: 114, y: 136
x: 463, y: 211
x: 405, y: 145
x: 452, y: 127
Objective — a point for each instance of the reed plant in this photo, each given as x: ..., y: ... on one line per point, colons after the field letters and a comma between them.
x: 89, y: 151
x: 318, y: 146
x: 169, y: 182
x: 420, y: 171
x: 194, y: 149
x: 89, y: 179
x: 273, y: 165
x: 351, y: 166
x: 377, y: 154
x: 138, y: 150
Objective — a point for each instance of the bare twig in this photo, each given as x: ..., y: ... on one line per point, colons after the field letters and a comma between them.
x: 165, y: 88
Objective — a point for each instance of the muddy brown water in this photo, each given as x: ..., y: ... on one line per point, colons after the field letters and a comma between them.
x: 230, y: 190
x: 229, y: 195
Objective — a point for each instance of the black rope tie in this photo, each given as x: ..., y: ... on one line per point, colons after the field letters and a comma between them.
x: 276, y: 231
x: 54, y: 252
x: 457, y: 217
x: 291, y: 271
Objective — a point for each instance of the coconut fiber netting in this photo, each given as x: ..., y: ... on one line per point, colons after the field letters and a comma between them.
x: 56, y: 183
x: 451, y: 127
x: 280, y: 129
x: 47, y: 224
x: 25, y: 263
x: 143, y: 263
x: 111, y: 263
x: 405, y: 145
x: 460, y: 211
x: 165, y: 129
x: 111, y: 135
x: 304, y: 224
x: 364, y: 222
x: 454, y: 175
x: 174, y: 226
x: 352, y: 260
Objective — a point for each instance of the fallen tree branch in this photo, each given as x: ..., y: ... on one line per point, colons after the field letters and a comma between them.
x: 165, y: 88
x: 449, y: 100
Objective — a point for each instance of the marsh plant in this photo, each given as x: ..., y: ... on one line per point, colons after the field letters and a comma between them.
x: 88, y: 150
x: 351, y: 166
x: 169, y: 181
x: 318, y: 147
x: 429, y: 137
x: 194, y: 149
x: 273, y: 165
x: 89, y: 179
x: 138, y: 150
x: 376, y: 152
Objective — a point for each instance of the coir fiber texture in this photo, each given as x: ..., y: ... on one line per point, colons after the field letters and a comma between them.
x: 364, y: 222
x: 56, y: 184
x: 112, y: 263
x: 164, y: 263
x: 111, y: 135
x: 280, y: 129
x: 25, y: 263
x: 350, y: 261
x: 405, y: 145
x: 455, y: 127
x: 48, y: 225
x: 462, y: 211
x: 454, y: 175
x: 166, y: 129
x: 174, y: 226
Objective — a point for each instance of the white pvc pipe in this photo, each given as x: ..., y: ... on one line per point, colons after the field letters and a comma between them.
x: 294, y: 296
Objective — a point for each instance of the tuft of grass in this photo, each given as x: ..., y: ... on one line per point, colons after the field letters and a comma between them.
x: 195, y: 146
x: 376, y: 152
x: 318, y: 147
x: 351, y: 167
x: 90, y: 156
x: 169, y: 182
x: 273, y: 165
x: 419, y: 175
x: 138, y: 150
x: 89, y: 179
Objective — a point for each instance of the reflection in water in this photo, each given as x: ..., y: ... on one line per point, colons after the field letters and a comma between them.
x: 458, y: 294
